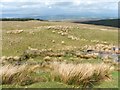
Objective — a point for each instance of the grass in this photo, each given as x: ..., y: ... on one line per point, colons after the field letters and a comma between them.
x: 20, y: 75
x: 20, y: 42
x: 37, y: 35
x: 80, y: 74
x: 110, y: 84
x: 49, y: 85
x: 41, y: 85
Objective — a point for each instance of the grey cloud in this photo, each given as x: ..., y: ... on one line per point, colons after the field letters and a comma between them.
x: 63, y: 4
x: 57, y: 7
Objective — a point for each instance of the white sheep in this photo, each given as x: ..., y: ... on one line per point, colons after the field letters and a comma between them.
x: 53, y: 41
x: 63, y: 42
x: 53, y: 31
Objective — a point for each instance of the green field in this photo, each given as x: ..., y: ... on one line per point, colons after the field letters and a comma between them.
x: 48, y: 35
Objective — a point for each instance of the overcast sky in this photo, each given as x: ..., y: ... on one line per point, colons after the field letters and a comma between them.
x: 60, y: 7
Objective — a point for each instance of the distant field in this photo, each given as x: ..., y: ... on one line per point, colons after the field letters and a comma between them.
x: 42, y: 38
x: 19, y: 36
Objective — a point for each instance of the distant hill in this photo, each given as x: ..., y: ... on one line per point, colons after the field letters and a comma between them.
x: 19, y: 19
x: 105, y: 22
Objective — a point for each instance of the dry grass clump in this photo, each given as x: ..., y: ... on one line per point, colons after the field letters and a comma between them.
x: 21, y: 75
x: 80, y: 74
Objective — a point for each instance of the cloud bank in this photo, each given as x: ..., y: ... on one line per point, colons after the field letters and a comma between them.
x: 61, y: 7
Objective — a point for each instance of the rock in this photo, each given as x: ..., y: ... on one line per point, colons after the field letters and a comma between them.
x: 90, y: 50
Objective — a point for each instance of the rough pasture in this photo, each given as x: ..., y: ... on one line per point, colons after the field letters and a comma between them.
x: 42, y: 43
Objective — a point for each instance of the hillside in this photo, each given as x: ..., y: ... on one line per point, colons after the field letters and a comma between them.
x: 105, y: 22
x: 55, y: 48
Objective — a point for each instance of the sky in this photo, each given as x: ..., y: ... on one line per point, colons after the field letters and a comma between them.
x: 93, y: 8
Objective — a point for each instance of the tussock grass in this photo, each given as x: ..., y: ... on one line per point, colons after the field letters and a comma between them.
x: 21, y: 75
x: 80, y: 74
x: 75, y: 36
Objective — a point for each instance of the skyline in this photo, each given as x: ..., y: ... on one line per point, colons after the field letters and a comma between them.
x: 87, y: 8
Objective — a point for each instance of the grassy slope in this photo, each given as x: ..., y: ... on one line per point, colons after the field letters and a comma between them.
x: 42, y: 39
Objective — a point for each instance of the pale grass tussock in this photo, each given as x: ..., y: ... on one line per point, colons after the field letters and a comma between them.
x: 80, y: 74
x: 17, y: 74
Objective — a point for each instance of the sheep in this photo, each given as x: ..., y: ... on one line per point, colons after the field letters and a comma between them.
x: 62, y: 34
x: 16, y: 58
x: 3, y: 58
x: 31, y: 32
x: 63, y: 42
x: 31, y: 48
x: 49, y: 27
x: 47, y: 58
x: 53, y: 31
x: 10, y: 57
x: 53, y: 41
x: 15, y: 32
x: 9, y: 32
x: 59, y: 32
x: 69, y: 37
